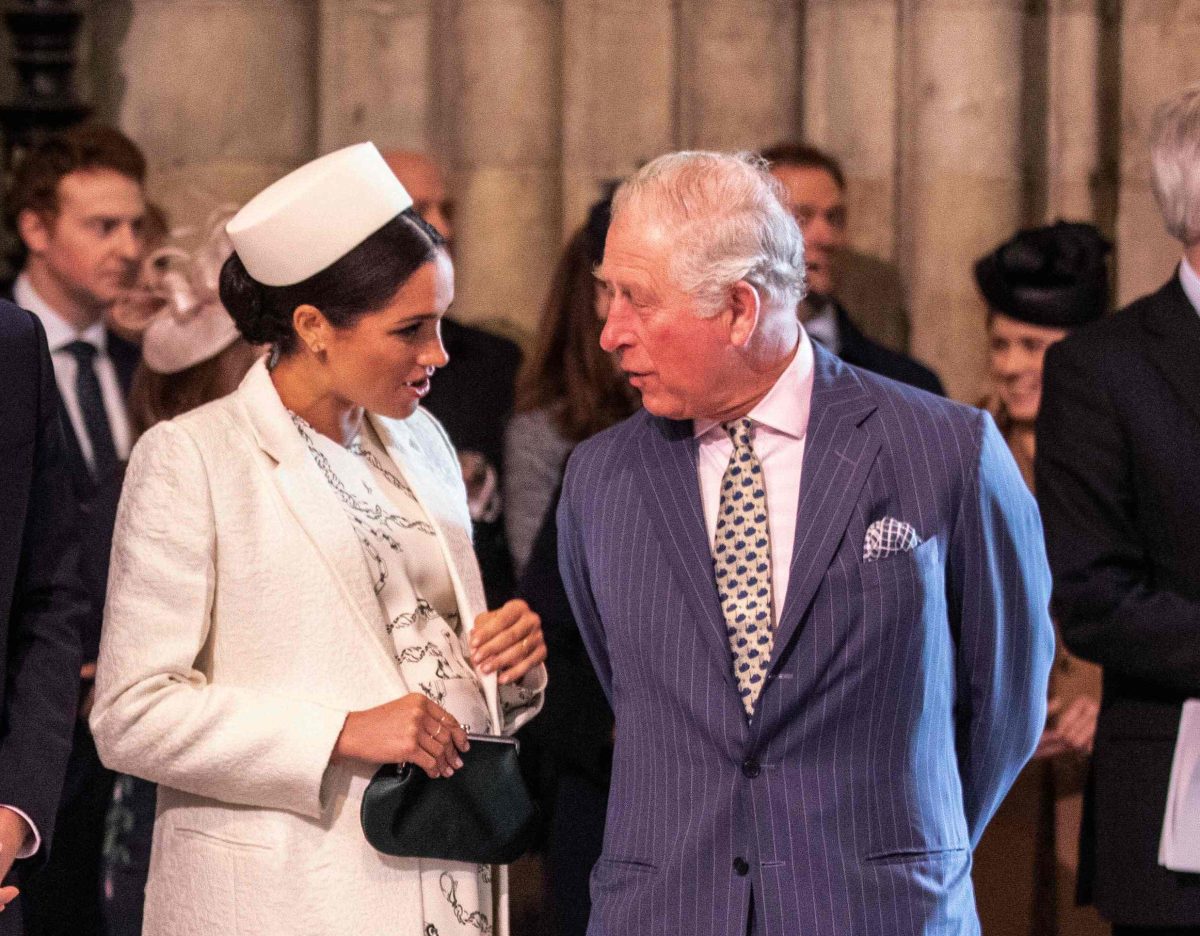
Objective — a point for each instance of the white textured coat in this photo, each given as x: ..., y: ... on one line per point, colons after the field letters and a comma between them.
x: 241, y: 627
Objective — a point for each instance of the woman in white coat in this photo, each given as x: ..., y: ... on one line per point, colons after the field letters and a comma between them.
x: 294, y: 598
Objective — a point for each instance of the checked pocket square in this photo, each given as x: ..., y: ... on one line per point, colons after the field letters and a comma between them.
x: 887, y: 537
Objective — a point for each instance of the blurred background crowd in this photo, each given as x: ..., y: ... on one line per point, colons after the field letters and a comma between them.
x: 971, y: 180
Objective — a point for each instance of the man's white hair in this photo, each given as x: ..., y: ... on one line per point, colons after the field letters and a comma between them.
x: 1175, y: 157
x: 726, y: 217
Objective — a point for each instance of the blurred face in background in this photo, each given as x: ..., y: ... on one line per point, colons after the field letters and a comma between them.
x: 819, y: 207
x: 1016, y: 356
x: 423, y: 180
x: 84, y: 256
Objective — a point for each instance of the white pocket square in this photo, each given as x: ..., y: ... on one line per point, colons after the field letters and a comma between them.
x: 889, y: 536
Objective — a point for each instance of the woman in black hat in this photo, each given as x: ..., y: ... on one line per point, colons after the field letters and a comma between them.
x: 1040, y: 285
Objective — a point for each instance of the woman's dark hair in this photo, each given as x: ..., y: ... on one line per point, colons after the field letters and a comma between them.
x: 359, y: 283
x: 568, y: 372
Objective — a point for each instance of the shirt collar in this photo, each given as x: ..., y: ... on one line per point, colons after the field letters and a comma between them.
x: 785, y: 408
x: 59, y: 332
x: 1189, y: 279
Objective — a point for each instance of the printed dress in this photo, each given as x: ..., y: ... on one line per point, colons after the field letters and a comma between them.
x: 416, y: 595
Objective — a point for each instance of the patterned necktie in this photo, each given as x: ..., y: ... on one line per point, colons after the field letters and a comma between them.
x: 742, y: 562
x: 91, y: 406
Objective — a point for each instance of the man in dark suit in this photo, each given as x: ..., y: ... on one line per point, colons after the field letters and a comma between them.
x: 816, y: 598
x: 816, y: 189
x: 77, y: 202
x: 1118, y: 446
x: 40, y: 604
x: 472, y: 396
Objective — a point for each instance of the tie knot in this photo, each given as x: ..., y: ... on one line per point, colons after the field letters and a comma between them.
x: 739, y: 431
x: 83, y: 351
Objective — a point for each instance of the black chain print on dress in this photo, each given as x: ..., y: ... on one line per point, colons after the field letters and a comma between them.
x: 477, y: 920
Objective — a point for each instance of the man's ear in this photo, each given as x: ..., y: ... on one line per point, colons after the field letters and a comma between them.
x: 35, y: 230
x: 745, y: 307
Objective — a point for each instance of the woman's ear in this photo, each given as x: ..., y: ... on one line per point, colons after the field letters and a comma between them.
x: 312, y: 327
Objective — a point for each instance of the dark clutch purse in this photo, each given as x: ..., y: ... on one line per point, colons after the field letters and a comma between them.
x: 482, y: 814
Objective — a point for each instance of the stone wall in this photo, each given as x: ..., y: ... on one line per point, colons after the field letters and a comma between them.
x: 957, y: 120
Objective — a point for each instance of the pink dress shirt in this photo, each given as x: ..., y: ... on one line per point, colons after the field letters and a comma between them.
x: 781, y: 424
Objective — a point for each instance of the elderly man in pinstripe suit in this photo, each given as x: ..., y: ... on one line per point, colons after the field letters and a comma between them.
x: 816, y: 598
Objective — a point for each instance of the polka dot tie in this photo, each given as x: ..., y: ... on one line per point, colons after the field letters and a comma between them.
x: 742, y: 563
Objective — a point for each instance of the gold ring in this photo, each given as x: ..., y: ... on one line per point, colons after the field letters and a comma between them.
x: 525, y: 643
x: 437, y: 733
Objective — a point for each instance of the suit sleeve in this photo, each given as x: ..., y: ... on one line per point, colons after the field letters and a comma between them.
x: 156, y: 715
x: 999, y: 594
x: 576, y: 576
x: 43, y: 642
x: 1109, y: 608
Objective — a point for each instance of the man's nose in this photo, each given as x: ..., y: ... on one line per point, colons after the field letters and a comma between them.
x: 130, y: 243
x: 611, y: 335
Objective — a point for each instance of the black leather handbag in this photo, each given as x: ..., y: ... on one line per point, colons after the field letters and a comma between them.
x: 482, y: 814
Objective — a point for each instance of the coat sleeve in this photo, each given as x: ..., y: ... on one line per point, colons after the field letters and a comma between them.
x: 998, y: 593
x: 576, y: 576
x: 1109, y: 606
x: 156, y: 714
x: 48, y: 607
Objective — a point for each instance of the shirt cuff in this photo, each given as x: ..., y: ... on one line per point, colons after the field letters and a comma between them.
x: 32, y: 842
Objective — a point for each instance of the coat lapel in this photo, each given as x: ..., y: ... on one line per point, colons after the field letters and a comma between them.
x: 839, y: 450
x: 1175, y: 326
x: 311, y: 502
x: 669, y: 459
x: 417, y: 469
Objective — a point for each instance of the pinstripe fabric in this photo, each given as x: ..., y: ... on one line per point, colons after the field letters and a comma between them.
x: 903, y: 695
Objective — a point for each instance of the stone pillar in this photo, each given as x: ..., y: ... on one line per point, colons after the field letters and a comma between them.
x: 851, y: 108
x: 1158, y: 56
x: 375, y: 74
x: 619, y: 73
x: 1073, y: 120
x: 962, y: 172
x: 506, y: 152
x: 219, y: 93
x: 738, y: 73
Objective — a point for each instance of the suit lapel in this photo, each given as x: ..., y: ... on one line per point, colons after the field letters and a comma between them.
x: 1175, y: 347
x: 668, y: 455
x: 839, y: 450
x: 311, y: 501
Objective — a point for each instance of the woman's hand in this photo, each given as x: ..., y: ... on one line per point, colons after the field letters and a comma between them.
x: 411, y: 730
x: 1069, y: 727
x: 508, y: 640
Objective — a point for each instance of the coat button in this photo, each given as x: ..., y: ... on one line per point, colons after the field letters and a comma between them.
x: 741, y: 866
x: 751, y: 768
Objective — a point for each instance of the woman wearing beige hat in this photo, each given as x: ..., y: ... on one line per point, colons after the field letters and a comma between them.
x: 294, y: 598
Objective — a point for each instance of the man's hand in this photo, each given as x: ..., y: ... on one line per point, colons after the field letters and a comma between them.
x: 1069, y: 727
x: 13, y: 832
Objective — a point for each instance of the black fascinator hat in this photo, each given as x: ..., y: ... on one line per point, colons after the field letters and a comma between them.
x: 1054, y: 276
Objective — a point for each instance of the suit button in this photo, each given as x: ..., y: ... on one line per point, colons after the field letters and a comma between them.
x: 741, y: 866
x: 751, y: 768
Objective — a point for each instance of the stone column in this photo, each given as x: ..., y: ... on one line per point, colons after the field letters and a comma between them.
x: 1073, y: 121
x: 506, y: 151
x: 219, y: 93
x: 619, y: 73
x: 851, y: 108
x: 375, y: 73
x: 1158, y: 56
x: 738, y: 73
x: 962, y: 172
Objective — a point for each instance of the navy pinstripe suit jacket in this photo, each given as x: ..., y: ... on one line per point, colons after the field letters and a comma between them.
x: 903, y: 697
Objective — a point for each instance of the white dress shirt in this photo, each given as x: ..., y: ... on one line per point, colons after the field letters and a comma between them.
x: 780, y: 426
x: 59, y: 334
x: 1189, y: 279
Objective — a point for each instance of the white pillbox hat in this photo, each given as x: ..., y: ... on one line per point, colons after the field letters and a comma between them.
x: 317, y: 214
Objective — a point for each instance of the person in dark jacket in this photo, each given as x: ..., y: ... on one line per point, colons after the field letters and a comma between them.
x: 1118, y: 445
x: 41, y: 606
x: 815, y: 186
